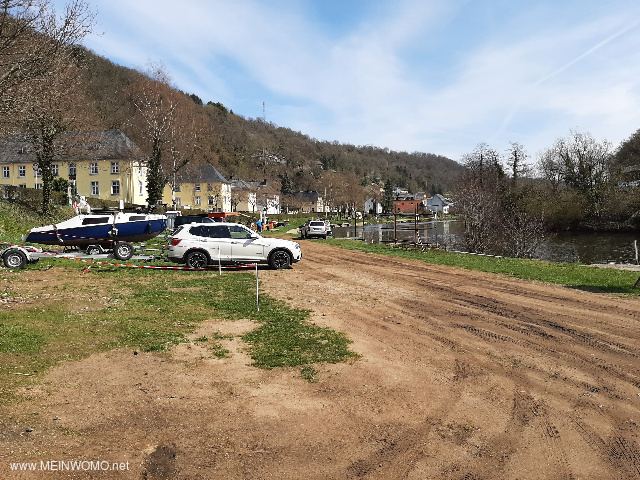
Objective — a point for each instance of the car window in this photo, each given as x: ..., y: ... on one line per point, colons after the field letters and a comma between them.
x: 239, y: 232
x: 317, y: 224
x: 197, y: 231
x: 218, y: 231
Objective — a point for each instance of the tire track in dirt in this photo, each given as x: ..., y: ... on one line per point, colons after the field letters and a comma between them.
x: 475, y: 334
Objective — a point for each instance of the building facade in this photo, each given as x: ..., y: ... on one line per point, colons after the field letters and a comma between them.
x: 200, y: 187
x: 102, y: 164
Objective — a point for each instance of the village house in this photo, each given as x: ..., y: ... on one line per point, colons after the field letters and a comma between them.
x: 373, y: 206
x: 306, y: 202
x: 254, y: 196
x: 200, y: 187
x: 438, y: 204
x: 409, y: 203
x: 103, y: 164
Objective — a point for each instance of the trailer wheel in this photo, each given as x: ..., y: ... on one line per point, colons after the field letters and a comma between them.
x: 14, y: 259
x: 93, y: 250
x: 123, y: 251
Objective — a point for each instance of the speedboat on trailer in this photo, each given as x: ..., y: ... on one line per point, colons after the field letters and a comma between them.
x: 97, y: 232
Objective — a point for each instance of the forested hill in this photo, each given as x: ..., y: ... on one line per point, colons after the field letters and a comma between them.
x: 256, y: 150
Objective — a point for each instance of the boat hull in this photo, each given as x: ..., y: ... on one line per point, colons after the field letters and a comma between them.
x: 79, y: 232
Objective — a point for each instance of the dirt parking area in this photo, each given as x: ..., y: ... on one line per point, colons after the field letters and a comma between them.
x: 461, y: 375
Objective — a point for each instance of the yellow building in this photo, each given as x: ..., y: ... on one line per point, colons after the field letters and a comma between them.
x: 103, y: 164
x: 199, y: 187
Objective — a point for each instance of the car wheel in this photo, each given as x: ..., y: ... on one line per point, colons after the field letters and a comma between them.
x: 279, y: 260
x: 123, y: 251
x: 196, y: 259
x: 14, y: 259
x: 93, y: 250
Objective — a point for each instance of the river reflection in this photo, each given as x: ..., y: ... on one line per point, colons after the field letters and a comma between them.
x: 585, y: 248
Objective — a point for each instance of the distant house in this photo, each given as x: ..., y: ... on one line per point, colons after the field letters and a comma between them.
x: 438, y: 204
x: 103, y: 164
x: 409, y: 203
x: 199, y: 187
x: 254, y: 196
x: 243, y: 196
x: 306, y: 202
x: 372, y: 206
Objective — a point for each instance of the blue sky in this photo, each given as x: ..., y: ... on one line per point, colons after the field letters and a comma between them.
x: 437, y: 76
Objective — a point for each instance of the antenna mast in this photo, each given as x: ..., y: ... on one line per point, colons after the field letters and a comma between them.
x: 264, y: 117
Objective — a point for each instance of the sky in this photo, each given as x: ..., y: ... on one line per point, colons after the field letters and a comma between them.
x: 433, y: 76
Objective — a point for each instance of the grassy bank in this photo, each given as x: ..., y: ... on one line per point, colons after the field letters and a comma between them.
x: 572, y: 275
x: 70, y: 316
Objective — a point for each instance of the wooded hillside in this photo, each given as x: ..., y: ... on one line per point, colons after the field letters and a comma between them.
x: 256, y: 150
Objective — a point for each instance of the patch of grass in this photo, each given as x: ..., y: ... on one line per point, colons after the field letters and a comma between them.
x: 570, y: 274
x: 309, y: 374
x: 219, y: 351
x: 20, y: 339
x: 223, y: 336
x: 286, y: 339
x: 149, y: 310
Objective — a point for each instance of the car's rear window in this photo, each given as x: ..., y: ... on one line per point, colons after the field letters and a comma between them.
x: 317, y: 224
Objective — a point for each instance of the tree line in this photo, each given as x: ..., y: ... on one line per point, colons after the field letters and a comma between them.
x: 509, y: 205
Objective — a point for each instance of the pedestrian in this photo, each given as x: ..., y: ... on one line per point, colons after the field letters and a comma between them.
x: 259, y: 225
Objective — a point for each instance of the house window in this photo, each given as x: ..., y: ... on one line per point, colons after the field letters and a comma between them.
x: 55, y: 169
x: 115, y: 167
x: 93, y: 169
x: 72, y: 171
x: 210, y: 187
x: 198, y: 201
x: 197, y: 187
x: 5, y: 172
x: 140, y: 171
x: 115, y: 187
x: 37, y: 173
x: 95, y: 188
x: 22, y: 171
x: 211, y: 200
x: 176, y: 188
x: 178, y: 201
x: 22, y: 185
x: 38, y: 186
x: 140, y: 187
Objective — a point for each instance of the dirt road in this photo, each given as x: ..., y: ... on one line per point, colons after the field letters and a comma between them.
x: 462, y: 375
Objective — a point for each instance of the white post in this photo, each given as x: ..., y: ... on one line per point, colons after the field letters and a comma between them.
x: 257, y: 289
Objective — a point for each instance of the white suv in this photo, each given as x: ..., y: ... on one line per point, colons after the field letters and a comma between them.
x: 200, y: 244
x: 314, y: 228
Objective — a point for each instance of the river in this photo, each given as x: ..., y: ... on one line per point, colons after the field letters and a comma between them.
x: 587, y: 248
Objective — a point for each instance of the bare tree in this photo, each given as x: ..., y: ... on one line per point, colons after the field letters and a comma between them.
x: 39, y: 80
x: 35, y: 42
x: 478, y: 198
x: 169, y: 129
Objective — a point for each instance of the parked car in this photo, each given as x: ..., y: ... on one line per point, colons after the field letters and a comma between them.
x: 314, y: 228
x: 200, y: 244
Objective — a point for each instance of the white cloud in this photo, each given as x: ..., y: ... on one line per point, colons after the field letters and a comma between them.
x: 410, y: 75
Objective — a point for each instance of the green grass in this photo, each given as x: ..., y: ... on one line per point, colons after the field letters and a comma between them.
x: 16, y: 220
x: 572, y: 275
x: 151, y: 311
